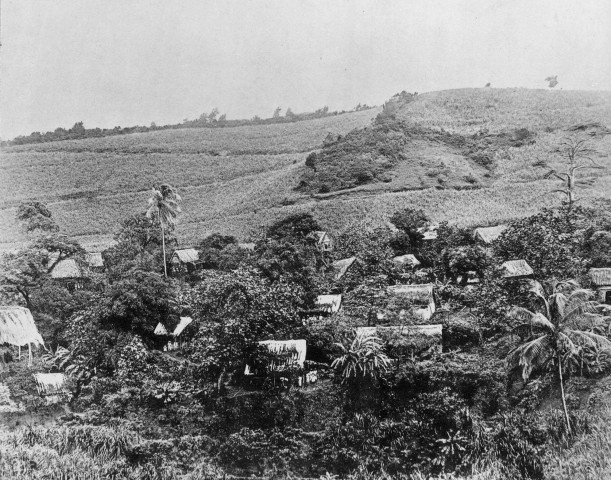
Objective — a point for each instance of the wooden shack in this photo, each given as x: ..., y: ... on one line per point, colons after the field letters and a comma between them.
x: 601, y: 280
x: 516, y: 269
x: 185, y: 260
x: 418, y: 299
x: 487, y: 235
x: 323, y: 240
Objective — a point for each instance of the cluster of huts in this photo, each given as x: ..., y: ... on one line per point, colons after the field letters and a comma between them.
x: 416, y: 300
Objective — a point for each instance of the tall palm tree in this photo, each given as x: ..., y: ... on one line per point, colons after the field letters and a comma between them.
x: 560, y: 331
x: 163, y: 205
x: 363, y: 358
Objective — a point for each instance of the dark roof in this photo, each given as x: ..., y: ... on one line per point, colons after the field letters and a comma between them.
x: 601, y: 277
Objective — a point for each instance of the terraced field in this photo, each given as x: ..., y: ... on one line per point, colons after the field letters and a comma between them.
x: 234, y: 180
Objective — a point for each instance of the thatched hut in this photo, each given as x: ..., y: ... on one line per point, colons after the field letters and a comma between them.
x: 601, y: 280
x: 17, y: 327
x: 488, y: 235
x: 286, y: 354
x: 176, y: 340
x: 323, y: 240
x: 185, y: 260
x: 70, y: 272
x: 247, y: 246
x: 516, y: 269
x: 51, y: 386
x: 422, y: 337
x: 329, y: 304
x: 95, y: 261
x: 408, y: 259
x: 341, y: 267
x: 429, y: 233
x: 419, y: 298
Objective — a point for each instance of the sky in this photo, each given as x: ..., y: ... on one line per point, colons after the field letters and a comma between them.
x: 132, y: 62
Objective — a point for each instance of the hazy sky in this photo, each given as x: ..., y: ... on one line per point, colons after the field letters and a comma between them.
x: 128, y: 62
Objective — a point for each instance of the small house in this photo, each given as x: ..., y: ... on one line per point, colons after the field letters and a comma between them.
x: 423, y: 337
x: 323, y: 240
x: 329, y: 303
x: 601, y: 280
x: 17, y: 328
x: 488, y: 235
x: 417, y: 298
x: 95, y: 262
x: 285, y: 355
x: 407, y: 260
x: 247, y: 246
x: 185, y: 260
x: 516, y: 269
x: 176, y: 340
x: 70, y: 272
x: 52, y: 387
x: 341, y: 267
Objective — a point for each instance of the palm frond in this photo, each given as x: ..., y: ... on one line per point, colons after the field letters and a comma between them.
x: 530, y: 355
x: 520, y: 313
x: 590, y: 339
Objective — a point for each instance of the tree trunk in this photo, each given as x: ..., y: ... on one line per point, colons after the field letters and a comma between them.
x: 165, y: 264
x: 220, y: 380
x: 566, y: 412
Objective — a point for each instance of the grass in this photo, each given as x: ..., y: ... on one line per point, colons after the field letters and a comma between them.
x: 234, y: 180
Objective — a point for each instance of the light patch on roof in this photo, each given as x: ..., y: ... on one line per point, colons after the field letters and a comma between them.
x: 51, y: 383
x: 94, y: 260
x: 184, y: 322
x: 489, y: 234
x: 186, y: 255
x: 342, y: 266
x: 516, y: 268
x: 17, y: 327
x: 408, y: 259
x: 413, y: 292
x: 332, y: 302
x: 67, y: 268
x: 160, y: 329
x: 601, y: 277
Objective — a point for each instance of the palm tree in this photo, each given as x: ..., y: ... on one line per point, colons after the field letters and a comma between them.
x: 363, y: 358
x: 561, y: 331
x: 163, y: 205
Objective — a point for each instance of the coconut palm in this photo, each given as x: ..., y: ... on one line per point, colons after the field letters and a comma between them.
x: 561, y: 331
x: 363, y: 358
x: 163, y: 205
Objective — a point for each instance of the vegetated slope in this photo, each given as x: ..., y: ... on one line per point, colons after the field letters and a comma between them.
x: 467, y: 158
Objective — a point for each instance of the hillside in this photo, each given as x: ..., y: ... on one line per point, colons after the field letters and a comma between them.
x: 235, y: 179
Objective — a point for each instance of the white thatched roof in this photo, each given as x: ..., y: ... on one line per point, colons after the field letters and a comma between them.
x: 94, y: 260
x: 184, y: 322
x: 434, y: 330
x: 331, y: 302
x: 421, y: 293
x: 185, y: 255
x: 247, y: 246
x: 408, y: 259
x: 67, y: 268
x: 160, y: 329
x: 516, y: 268
x: 296, y: 347
x: 50, y: 383
x: 17, y: 327
x: 341, y: 266
x: 489, y: 234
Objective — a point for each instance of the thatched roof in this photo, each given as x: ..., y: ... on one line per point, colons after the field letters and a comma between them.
x: 246, y: 246
x: 184, y: 323
x: 67, y: 268
x: 296, y: 347
x: 185, y: 255
x: 421, y: 293
x: 17, y: 327
x: 601, y: 277
x: 160, y: 329
x: 51, y: 383
x: 341, y: 267
x: 330, y: 302
x: 407, y: 330
x: 489, y: 234
x: 429, y: 233
x: 94, y: 260
x: 516, y: 268
x: 407, y: 259
x: 321, y: 237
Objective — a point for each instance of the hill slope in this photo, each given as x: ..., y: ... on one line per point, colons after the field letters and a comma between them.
x: 235, y: 179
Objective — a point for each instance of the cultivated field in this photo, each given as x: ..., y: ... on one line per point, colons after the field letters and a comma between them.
x: 235, y: 179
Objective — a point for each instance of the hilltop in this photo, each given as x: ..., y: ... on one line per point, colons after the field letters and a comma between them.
x: 471, y: 156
